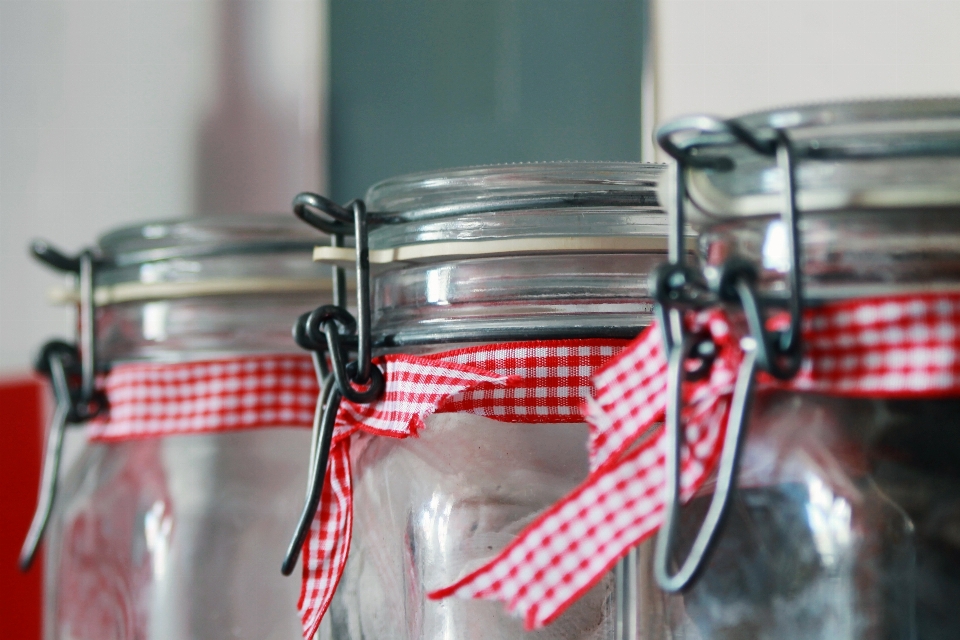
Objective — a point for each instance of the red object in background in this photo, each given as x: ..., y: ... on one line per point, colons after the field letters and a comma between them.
x: 22, y: 424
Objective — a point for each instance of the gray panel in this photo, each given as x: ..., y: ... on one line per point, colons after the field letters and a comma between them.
x: 427, y: 84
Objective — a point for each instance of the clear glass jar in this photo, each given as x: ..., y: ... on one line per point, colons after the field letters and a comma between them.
x: 507, y: 253
x: 845, y: 522
x: 181, y: 536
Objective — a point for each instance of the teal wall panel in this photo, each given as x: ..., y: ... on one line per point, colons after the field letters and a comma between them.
x: 428, y: 84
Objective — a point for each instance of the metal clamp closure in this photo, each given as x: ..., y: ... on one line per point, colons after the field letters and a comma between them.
x: 677, y: 289
x: 331, y: 331
x: 84, y: 266
x: 72, y: 373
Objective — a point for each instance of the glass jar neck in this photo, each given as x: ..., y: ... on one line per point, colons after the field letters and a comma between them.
x: 848, y: 254
x: 204, y: 288
x: 206, y: 328
x: 515, y: 298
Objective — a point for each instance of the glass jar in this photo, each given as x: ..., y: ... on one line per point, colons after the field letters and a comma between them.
x: 503, y: 257
x: 160, y: 535
x: 845, y: 520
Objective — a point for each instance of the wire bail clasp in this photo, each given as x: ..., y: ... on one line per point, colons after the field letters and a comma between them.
x: 735, y: 282
x: 72, y: 374
x: 330, y: 331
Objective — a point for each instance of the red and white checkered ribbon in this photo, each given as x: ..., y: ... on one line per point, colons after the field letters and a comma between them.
x: 902, y: 347
x: 255, y: 391
x: 98, y: 566
x: 517, y: 382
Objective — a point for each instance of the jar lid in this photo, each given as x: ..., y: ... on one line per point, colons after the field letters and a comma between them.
x: 512, y: 252
x: 850, y: 155
x: 557, y: 207
x: 504, y: 187
x: 204, y: 256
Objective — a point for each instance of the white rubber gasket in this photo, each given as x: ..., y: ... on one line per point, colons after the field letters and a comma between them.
x: 434, y: 251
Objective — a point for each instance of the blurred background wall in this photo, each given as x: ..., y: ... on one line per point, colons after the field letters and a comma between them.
x: 727, y: 57
x: 119, y: 111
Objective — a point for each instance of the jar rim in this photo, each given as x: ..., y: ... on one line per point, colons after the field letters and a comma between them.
x: 514, y: 251
x: 502, y: 187
x: 845, y: 112
x: 243, y: 254
x: 848, y: 155
x: 204, y: 236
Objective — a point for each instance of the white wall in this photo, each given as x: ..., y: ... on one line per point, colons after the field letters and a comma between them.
x: 729, y: 57
x: 118, y: 111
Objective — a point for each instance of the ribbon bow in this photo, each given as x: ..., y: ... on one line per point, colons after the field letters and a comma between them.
x: 516, y: 382
x: 901, y: 347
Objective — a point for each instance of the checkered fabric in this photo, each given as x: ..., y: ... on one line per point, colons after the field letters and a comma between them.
x: 552, y: 379
x: 903, y: 347
x: 415, y: 387
x: 326, y: 547
x: 154, y: 399
x: 516, y: 382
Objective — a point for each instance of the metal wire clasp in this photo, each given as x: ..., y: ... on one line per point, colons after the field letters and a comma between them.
x: 331, y: 331
x: 72, y: 373
x: 676, y: 289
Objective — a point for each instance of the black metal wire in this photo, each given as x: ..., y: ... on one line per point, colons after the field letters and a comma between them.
x: 771, y: 355
x: 726, y: 474
x: 72, y: 374
x: 323, y: 329
x: 364, y: 302
x: 88, y: 328
x: 61, y: 363
x: 787, y: 345
x: 315, y: 322
x: 331, y: 331
x: 343, y: 373
x: 52, y: 257
x: 339, y: 220
x: 777, y: 352
x: 53, y: 450
x: 89, y: 402
x: 338, y: 276
x: 328, y: 403
x: 707, y: 131
x: 683, y: 155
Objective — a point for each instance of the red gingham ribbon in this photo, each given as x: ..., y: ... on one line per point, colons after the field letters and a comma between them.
x: 902, y: 347
x: 157, y: 399
x: 517, y: 382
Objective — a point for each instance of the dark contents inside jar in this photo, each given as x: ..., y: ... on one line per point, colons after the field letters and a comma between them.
x: 846, y: 525
x: 915, y: 459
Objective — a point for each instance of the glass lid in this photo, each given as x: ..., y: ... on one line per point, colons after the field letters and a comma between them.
x: 206, y: 256
x: 850, y: 155
x: 568, y: 199
x: 507, y: 252
x: 203, y: 237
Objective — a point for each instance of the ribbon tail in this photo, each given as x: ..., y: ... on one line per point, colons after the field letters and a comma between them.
x: 630, y: 398
x: 568, y: 549
x: 415, y: 387
x: 327, y: 545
